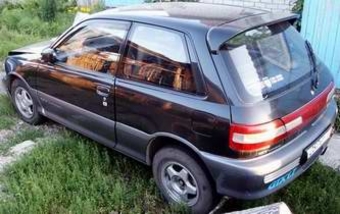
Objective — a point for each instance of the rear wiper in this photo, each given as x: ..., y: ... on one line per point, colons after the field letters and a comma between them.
x: 315, y: 78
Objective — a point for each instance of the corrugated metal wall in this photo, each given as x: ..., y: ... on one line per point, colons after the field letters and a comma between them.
x: 321, y: 26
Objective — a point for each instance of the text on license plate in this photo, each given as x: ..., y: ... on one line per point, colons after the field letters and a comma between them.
x: 317, y: 145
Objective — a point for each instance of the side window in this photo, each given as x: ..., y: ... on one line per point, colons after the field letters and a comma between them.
x: 158, y: 56
x: 95, y: 47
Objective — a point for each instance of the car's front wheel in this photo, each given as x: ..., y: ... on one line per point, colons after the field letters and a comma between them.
x: 182, y: 180
x: 24, y: 103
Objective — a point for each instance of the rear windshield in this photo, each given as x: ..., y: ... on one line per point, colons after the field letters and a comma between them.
x: 266, y: 61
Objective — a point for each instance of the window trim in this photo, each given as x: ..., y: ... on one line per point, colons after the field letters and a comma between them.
x: 74, y: 30
x: 196, y: 72
x: 197, y: 69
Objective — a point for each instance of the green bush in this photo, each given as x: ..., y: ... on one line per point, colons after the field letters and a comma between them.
x: 100, y: 6
x: 48, y: 10
x: 298, y: 8
x: 24, y: 22
x: 12, y: 40
x: 64, y: 5
x: 9, y: 5
x: 21, y: 25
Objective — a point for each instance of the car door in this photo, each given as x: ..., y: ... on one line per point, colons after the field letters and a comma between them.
x: 153, y: 88
x: 77, y: 90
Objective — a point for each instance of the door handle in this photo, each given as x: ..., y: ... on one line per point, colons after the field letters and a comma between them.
x: 103, y: 91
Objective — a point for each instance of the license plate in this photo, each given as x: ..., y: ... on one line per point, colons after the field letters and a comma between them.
x: 310, y: 151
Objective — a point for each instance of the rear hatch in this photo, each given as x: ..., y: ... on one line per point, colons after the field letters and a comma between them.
x: 280, y: 87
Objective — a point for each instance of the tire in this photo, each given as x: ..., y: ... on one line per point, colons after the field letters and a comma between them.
x: 170, y: 166
x: 24, y: 103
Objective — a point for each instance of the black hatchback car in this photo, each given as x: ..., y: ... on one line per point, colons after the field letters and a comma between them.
x: 219, y: 100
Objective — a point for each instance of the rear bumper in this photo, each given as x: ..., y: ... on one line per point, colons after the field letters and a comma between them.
x: 258, y: 177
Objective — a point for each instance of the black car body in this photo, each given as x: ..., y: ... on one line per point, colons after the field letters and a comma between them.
x: 236, y: 88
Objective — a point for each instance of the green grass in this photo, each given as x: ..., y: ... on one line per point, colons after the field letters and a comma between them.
x: 70, y: 174
x: 6, y: 108
x: 30, y: 133
x: 12, y: 40
x: 316, y: 192
x: 7, y: 118
x: 22, y: 26
x: 6, y: 122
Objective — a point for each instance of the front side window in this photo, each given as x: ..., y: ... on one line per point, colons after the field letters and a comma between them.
x: 159, y: 57
x: 266, y: 60
x: 95, y: 47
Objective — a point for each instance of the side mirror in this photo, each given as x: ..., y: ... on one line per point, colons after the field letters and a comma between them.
x: 48, y: 55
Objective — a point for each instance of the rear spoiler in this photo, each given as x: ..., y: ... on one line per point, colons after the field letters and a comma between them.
x: 218, y: 35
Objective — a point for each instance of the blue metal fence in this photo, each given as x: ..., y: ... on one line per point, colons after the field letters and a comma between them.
x: 321, y: 26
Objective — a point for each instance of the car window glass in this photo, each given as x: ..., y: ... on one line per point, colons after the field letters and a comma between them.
x: 158, y: 56
x: 266, y: 60
x: 94, y: 47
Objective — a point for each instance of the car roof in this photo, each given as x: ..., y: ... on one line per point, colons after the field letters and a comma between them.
x: 180, y: 14
x: 219, y: 22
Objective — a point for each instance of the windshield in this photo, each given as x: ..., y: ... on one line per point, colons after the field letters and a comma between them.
x: 266, y: 60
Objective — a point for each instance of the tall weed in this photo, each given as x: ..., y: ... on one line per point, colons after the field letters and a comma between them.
x: 20, y: 26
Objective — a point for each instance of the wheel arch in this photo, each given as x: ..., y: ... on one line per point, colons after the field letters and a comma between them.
x: 13, y: 76
x: 162, y: 140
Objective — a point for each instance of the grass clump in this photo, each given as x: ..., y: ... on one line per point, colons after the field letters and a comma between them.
x: 6, y: 122
x: 6, y: 113
x: 48, y: 10
x: 70, y: 174
x: 21, y: 25
x: 6, y: 108
x: 317, y: 191
x: 30, y: 133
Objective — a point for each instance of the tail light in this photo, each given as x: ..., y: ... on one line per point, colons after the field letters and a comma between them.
x: 262, y: 137
x: 258, y: 137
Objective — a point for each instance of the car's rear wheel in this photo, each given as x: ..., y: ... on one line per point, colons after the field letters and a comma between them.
x: 24, y: 103
x: 182, y: 181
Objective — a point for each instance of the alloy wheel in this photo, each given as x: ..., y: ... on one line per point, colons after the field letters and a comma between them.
x: 180, y: 184
x: 24, y: 102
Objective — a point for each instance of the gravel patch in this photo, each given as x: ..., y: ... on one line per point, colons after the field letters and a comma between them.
x: 15, y: 153
x: 4, y: 134
x: 5, y: 161
x: 22, y: 148
x: 332, y: 157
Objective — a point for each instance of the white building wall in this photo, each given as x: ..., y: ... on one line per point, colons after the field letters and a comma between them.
x: 272, y: 5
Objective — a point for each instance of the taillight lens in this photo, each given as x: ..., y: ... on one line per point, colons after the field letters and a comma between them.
x: 257, y: 138
x: 309, y: 111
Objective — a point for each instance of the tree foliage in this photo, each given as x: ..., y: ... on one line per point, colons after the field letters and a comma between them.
x: 298, y: 8
x: 48, y: 10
